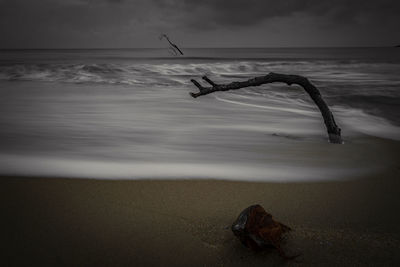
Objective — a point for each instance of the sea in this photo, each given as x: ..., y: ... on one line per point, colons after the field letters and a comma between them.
x: 127, y: 114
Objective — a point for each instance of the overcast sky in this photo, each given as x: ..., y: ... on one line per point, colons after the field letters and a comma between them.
x: 198, y: 23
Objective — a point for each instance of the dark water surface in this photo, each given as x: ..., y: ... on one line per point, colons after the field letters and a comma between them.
x: 128, y: 114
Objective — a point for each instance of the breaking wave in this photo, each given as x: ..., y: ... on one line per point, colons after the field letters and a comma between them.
x: 176, y: 73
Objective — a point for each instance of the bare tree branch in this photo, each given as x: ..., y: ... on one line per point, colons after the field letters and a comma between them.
x: 173, y: 46
x: 334, y: 131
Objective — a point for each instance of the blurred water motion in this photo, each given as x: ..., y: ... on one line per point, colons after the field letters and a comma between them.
x: 127, y: 114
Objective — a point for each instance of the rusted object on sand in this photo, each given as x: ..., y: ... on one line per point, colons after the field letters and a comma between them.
x: 257, y: 230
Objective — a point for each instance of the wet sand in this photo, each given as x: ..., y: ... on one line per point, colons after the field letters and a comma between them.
x: 81, y: 222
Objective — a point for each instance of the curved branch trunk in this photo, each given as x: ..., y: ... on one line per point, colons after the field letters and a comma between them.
x: 334, y: 132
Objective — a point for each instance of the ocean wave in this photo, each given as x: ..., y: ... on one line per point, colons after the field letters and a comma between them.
x: 353, y: 84
x: 131, y: 74
x: 354, y: 120
x: 358, y: 121
x: 73, y: 73
x: 178, y: 73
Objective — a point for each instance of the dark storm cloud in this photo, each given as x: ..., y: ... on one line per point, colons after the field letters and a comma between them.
x: 207, y: 13
x: 56, y: 21
x: 116, y: 23
x: 77, y: 13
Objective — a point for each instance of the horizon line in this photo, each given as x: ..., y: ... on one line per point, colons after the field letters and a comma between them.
x: 211, y: 47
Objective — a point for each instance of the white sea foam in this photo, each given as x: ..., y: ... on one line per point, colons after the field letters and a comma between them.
x: 270, y: 107
x: 69, y: 168
x: 357, y: 120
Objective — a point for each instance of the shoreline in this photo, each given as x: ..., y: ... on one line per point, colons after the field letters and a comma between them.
x: 58, y: 221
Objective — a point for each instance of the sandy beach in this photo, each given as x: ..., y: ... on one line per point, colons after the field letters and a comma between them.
x: 78, y: 222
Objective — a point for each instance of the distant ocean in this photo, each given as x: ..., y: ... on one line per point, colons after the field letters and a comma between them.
x: 127, y: 114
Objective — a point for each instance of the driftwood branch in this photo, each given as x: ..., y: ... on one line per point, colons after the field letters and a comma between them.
x: 334, y: 131
x: 173, y: 46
